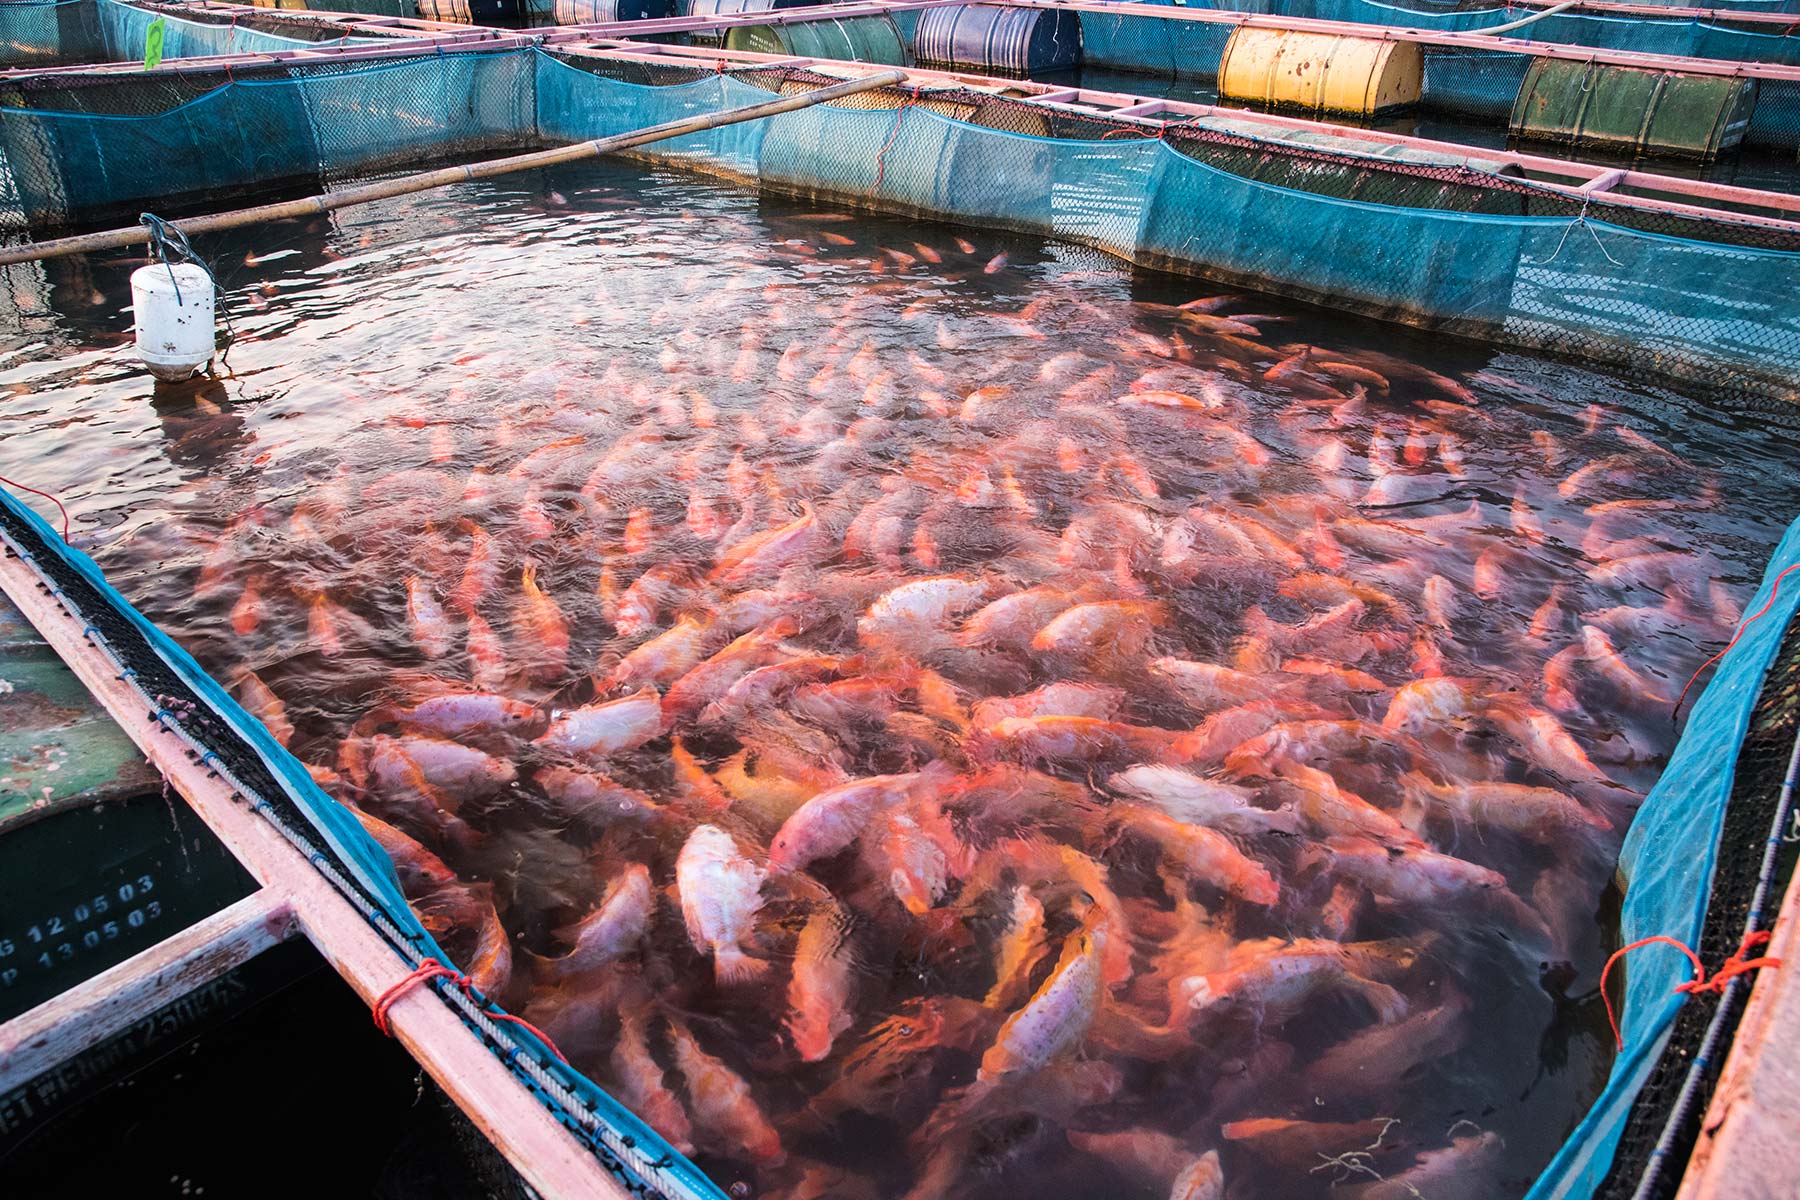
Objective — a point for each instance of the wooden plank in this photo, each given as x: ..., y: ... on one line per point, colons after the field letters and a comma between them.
x: 545, y: 1153
x: 92, y: 1011
x: 1745, y: 1148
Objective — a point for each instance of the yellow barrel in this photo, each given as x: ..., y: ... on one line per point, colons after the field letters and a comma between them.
x: 1319, y: 72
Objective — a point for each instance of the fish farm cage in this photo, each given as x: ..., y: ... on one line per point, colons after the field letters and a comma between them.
x: 1682, y: 100
x: 75, y: 32
x: 1648, y: 275
x: 1418, y: 234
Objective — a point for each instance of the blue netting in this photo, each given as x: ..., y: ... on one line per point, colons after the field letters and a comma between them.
x: 47, y: 31
x: 251, y: 132
x: 1668, y: 862
x: 126, y: 27
x: 1175, y: 48
x: 643, y: 1160
x: 1472, y: 83
x: 1442, y: 248
x: 573, y: 105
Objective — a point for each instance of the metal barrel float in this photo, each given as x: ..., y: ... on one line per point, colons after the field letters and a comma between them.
x: 1633, y: 109
x: 873, y: 39
x: 990, y: 37
x: 1320, y: 72
x: 590, y: 12
x: 727, y: 8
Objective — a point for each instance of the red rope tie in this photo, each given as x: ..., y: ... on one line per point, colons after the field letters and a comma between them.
x: 430, y: 969
x: 46, y: 495
x: 1732, y: 967
x: 1774, y: 590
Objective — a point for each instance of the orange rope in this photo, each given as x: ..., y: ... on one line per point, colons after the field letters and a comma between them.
x: 1734, y: 966
x: 430, y: 969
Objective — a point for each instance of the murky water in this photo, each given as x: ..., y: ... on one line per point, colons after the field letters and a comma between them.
x: 972, y: 724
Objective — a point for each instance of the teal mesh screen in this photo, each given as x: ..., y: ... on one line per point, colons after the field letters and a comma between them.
x: 1175, y: 48
x: 1472, y: 83
x: 125, y: 28
x: 36, y: 32
x: 575, y: 104
x: 254, y: 131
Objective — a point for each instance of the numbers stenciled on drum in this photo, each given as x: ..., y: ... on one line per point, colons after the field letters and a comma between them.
x: 62, y: 937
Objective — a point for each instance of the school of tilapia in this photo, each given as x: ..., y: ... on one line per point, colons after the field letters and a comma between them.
x: 895, y: 771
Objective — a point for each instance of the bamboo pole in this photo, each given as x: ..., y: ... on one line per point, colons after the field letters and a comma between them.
x: 423, y: 181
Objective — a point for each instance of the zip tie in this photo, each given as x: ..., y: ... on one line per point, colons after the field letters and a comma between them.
x: 1732, y: 967
x: 431, y: 969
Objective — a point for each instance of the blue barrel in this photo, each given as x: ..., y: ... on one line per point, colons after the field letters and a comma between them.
x: 997, y: 40
x: 593, y: 12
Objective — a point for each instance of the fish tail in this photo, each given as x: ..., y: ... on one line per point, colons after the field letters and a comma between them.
x: 731, y: 966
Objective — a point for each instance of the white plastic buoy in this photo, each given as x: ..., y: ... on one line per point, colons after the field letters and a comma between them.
x: 172, y: 308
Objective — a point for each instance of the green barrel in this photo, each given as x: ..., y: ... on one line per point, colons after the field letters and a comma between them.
x: 855, y: 39
x: 1632, y: 110
x: 96, y: 862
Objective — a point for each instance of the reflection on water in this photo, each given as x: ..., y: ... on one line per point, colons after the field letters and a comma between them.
x: 921, y: 712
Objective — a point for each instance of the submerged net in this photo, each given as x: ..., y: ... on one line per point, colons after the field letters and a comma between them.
x: 1755, y: 798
